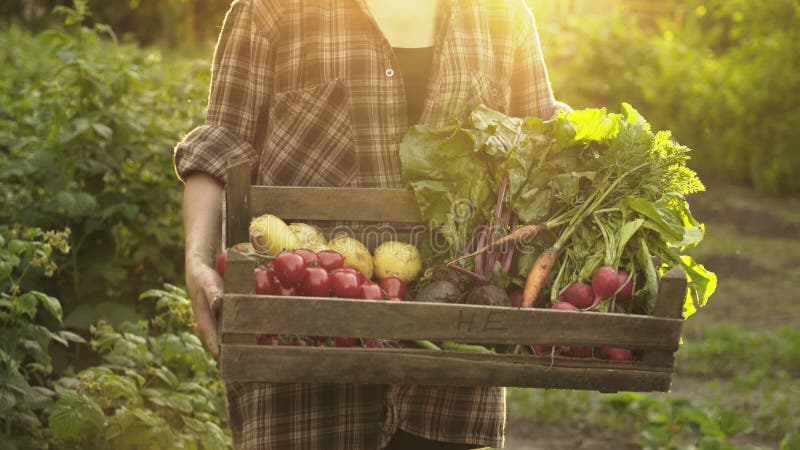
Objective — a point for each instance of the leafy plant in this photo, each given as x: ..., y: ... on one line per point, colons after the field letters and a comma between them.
x: 156, y: 388
x: 29, y: 322
x: 87, y: 127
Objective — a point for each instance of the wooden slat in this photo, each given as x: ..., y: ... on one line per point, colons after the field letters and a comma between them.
x: 379, y: 366
x: 238, y: 274
x: 237, y: 204
x: 669, y: 304
x: 437, y: 321
x: 324, y: 203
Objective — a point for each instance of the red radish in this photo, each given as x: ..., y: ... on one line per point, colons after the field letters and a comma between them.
x: 371, y: 343
x: 346, y: 342
x: 370, y: 291
x: 516, y: 298
x: 316, y: 282
x: 579, y: 352
x: 308, y: 256
x: 300, y: 342
x: 289, y: 268
x: 330, y: 260
x: 627, y: 285
x: 394, y: 299
x: 264, y: 281
x: 616, y: 353
x: 345, y: 284
x: 580, y: 295
x: 564, y: 306
x: 394, y: 287
x: 267, y: 339
x: 605, y: 282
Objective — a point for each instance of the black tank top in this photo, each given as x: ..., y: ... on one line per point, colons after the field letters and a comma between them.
x: 415, y: 64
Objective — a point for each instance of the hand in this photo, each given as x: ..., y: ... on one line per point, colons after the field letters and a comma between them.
x: 205, y: 289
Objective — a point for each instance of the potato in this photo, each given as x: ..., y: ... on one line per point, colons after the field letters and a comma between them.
x: 397, y: 259
x: 270, y: 235
x: 309, y: 235
x: 354, y: 252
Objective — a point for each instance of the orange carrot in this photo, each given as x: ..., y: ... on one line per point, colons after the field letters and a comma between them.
x: 518, y: 235
x: 538, y: 273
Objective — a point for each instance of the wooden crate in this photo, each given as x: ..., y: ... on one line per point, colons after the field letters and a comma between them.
x: 245, y: 314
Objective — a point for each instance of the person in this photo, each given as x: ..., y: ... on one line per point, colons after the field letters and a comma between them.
x: 320, y: 94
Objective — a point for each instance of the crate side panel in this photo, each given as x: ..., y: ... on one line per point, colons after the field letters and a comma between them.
x: 437, y: 321
x: 369, y: 366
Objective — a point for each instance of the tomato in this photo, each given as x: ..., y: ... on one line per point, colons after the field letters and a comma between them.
x: 316, y: 282
x: 345, y: 284
x: 265, y: 281
x: 266, y: 339
x: 394, y: 287
x: 370, y: 291
x: 354, y: 271
x: 221, y: 264
x: 330, y: 260
x: 290, y: 290
x: 347, y: 342
x: 308, y: 256
x: 289, y: 268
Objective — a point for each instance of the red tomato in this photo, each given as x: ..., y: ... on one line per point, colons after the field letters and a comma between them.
x: 316, y: 282
x: 370, y: 291
x: 265, y: 281
x: 356, y: 272
x: 308, y: 256
x: 291, y: 290
x: 346, y: 342
x: 394, y: 287
x: 266, y: 339
x: 289, y: 268
x: 221, y: 264
x: 330, y: 260
x: 345, y: 284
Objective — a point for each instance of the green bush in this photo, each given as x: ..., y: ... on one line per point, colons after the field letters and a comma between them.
x: 155, y: 385
x: 87, y: 128
x: 725, y: 80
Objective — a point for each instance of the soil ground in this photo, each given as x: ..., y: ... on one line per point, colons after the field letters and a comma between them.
x: 752, y: 243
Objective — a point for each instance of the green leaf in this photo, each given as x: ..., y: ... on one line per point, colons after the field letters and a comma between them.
x: 703, y: 281
x: 26, y: 303
x: 7, y: 400
x: 75, y: 414
x: 51, y: 304
x: 624, y: 235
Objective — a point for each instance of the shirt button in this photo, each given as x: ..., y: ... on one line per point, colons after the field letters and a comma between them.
x: 389, y: 73
x: 494, y: 92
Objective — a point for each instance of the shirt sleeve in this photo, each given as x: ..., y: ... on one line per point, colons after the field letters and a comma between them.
x: 238, y: 91
x: 531, y: 93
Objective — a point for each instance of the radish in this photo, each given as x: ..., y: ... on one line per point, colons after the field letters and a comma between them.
x: 564, y: 306
x: 580, y: 295
x: 542, y: 349
x: 627, y: 285
x: 616, y: 353
x: 605, y: 282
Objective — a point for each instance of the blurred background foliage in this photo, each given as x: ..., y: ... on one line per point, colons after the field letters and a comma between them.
x: 94, y: 95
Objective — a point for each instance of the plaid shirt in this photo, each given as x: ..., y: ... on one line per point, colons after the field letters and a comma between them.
x: 309, y: 92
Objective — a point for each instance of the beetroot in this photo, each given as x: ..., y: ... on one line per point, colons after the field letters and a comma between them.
x: 616, y: 353
x: 605, y: 282
x: 627, y: 285
x: 564, y: 306
x: 580, y: 295
x: 516, y: 298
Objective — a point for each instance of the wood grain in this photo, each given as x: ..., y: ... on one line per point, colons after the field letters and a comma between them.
x: 438, y: 321
x: 669, y: 305
x: 381, y: 366
x: 325, y: 203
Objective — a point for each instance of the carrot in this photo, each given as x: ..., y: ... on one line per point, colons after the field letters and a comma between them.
x: 538, y: 273
x: 520, y: 234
